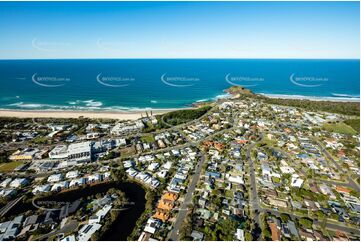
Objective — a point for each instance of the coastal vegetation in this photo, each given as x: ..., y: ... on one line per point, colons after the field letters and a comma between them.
x: 346, y: 108
x: 339, y: 127
x: 354, y: 123
x: 181, y: 116
x: 238, y: 91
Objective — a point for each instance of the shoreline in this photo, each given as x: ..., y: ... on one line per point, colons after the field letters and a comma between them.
x: 138, y: 113
x: 122, y: 115
x: 311, y: 98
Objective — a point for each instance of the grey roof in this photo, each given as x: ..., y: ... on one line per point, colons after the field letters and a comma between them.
x: 354, y: 207
x: 4, y: 226
x: 10, y: 233
x: 31, y: 220
x: 292, y: 227
x: 197, y: 235
x: 74, y: 206
x: 19, y: 219
x: 64, y: 211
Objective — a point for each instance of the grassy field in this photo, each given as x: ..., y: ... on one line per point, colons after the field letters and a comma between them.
x: 267, y: 142
x: 125, y: 152
x: 339, y: 127
x: 10, y: 166
x: 354, y: 123
x: 147, y: 138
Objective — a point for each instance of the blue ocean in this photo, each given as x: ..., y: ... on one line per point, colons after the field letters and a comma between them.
x: 131, y: 84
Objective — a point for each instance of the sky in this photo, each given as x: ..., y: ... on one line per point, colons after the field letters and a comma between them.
x: 302, y: 30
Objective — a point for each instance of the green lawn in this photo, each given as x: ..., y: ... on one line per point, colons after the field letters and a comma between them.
x: 276, y: 179
x: 267, y: 142
x: 354, y: 123
x: 229, y: 194
x: 147, y: 138
x: 10, y: 166
x: 339, y: 127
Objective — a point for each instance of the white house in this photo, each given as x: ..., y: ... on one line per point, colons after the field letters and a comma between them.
x: 236, y: 179
x: 72, y: 174
x: 94, y: 177
x: 41, y: 188
x: 167, y: 165
x: 153, y: 166
x: 60, y: 186
x: 106, y: 175
x: 6, y: 182
x: 128, y: 164
x: 87, y: 231
x: 142, y: 176
x: 7, y: 192
x: 132, y: 172
x: 18, y: 182
x: 162, y: 173
x: 55, y: 178
x: 154, y: 183
x: 152, y: 225
x: 287, y: 170
x: 77, y: 182
x: 100, y: 214
x: 296, y: 181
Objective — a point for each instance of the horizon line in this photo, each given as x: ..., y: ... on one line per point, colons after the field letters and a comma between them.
x: 181, y: 58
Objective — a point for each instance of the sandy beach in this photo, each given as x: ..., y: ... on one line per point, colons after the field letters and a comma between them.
x: 313, y: 98
x: 132, y: 115
x: 136, y: 114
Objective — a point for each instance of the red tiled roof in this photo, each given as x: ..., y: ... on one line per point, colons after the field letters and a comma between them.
x: 276, y: 235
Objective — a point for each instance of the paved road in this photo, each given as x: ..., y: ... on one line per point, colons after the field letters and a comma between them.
x: 187, y: 200
x: 189, y: 195
x: 254, y: 200
x: 68, y: 228
x: 4, y: 210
